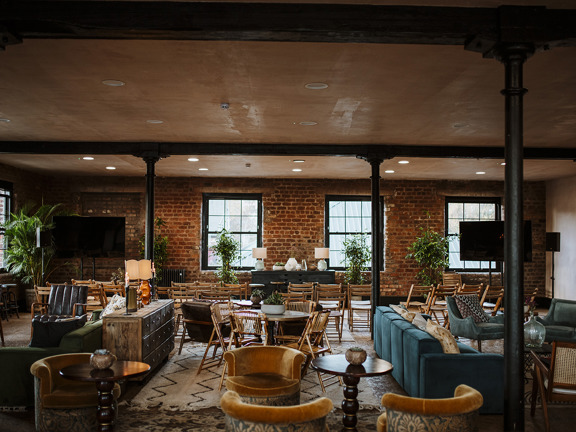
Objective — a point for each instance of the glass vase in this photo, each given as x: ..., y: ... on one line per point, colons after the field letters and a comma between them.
x: 534, y: 332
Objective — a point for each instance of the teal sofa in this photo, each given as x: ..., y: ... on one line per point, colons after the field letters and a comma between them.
x: 423, y: 370
x: 560, y: 321
x: 17, y: 387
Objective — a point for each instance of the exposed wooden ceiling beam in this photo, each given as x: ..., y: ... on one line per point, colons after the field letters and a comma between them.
x: 342, y: 23
x: 175, y: 148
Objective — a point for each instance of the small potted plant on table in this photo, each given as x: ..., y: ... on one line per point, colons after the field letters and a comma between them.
x: 257, y: 296
x: 273, y: 304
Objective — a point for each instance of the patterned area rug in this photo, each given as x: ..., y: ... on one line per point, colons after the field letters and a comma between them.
x: 177, y: 387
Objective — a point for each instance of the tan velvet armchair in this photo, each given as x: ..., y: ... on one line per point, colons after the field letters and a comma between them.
x: 62, y: 404
x: 265, y: 375
x: 457, y: 414
x: 242, y: 416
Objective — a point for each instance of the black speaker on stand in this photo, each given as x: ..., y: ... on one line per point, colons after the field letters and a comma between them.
x: 552, y: 245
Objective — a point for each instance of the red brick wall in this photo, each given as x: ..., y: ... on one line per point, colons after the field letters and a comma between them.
x: 293, y: 216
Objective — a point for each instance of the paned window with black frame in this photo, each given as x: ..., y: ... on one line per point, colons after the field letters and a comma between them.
x: 241, y: 216
x: 5, y: 208
x: 346, y: 216
x: 469, y: 210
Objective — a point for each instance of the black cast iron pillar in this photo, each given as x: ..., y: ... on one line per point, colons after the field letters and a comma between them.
x: 377, y: 239
x: 513, y: 57
x: 149, y: 199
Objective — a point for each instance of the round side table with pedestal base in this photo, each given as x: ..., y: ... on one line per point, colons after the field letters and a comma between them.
x: 351, y: 374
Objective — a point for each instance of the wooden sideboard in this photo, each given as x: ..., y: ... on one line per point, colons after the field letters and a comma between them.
x: 283, y: 278
x: 146, y: 335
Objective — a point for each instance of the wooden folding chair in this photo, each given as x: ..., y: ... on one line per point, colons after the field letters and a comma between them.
x: 416, y: 292
x: 492, y: 298
x: 437, y: 307
x: 359, y: 301
x: 219, y: 339
x: 180, y: 295
x: 477, y: 289
x: 331, y: 297
x: 303, y: 290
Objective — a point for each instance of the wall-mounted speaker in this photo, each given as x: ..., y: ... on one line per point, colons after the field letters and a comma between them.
x: 553, y: 242
x: 43, y: 238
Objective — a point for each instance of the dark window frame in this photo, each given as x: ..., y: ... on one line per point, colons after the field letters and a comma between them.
x: 7, y: 193
x: 327, y: 234
x: 496, y: 266
x: 206, y: 198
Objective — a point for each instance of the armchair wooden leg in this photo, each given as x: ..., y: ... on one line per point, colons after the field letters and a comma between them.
x: 479, y: 345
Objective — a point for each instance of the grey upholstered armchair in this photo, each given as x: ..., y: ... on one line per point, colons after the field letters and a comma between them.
x: 467, y: 327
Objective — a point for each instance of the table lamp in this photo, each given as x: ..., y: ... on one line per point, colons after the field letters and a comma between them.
x: 141, y: 270
x: 259, y: 254
x: 322, y: 253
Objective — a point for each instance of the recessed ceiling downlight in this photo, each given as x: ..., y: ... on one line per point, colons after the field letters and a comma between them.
x: 298, y: 161
x: 193, y: 159
x: 154, y: 121
x: 113, y: 83
x: 111, y: 168
x: 316, y: 86
x: 296, y: 170
x: 389, y: 171
x: 403, y: 162
x: 480, y: 172
x: 202, y: 169
x: 308, y: 123
x: 88, y: 158
x: 4, y: 120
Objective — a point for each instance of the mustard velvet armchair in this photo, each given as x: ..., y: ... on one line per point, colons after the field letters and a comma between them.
x: 457, y: 414
x: 62, y: 404
x: 265, y: 375
x: 243, y: 416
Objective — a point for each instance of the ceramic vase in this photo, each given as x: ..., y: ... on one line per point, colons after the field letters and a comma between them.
x: 355, y: 357
x: 291, y: 264
x: 534, y: 332
x: 102, y: 359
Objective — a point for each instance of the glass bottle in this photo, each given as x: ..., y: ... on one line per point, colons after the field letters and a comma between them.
x: 534, y: 332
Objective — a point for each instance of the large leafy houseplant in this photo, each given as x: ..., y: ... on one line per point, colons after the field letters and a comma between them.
x: 357, y: 254
x: 160, y: 248
x: 227, y: 248
x: 22, y: 258
x: 430, y: 251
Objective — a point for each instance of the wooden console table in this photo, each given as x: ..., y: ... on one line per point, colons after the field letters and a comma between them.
x: 146, y: 335
x: 279, y: 279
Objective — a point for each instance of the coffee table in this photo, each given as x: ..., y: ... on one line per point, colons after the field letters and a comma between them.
x: 105, y: 379
x: 337, y: 364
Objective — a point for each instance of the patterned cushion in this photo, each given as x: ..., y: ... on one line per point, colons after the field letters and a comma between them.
x: 403, y: 312
x: 419, y: 321
x: 449, y: 345
x: 406, y: 421
x: 469, y: 305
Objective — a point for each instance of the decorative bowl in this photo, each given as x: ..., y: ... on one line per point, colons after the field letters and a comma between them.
x: 356, y: 356
x: 102, y: 359
x: 275, y: 267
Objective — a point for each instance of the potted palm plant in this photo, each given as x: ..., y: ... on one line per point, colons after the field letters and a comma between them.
x: 227, y: 248
x: 23, y: 259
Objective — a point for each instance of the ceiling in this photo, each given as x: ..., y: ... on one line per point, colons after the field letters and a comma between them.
x: 53, y: 90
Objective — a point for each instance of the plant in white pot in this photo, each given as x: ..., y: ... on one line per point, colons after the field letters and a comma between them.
x: 273, y: 304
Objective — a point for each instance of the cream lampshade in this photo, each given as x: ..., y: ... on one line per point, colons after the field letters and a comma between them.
x: 141, y: 270
x: 259, y: 254
x: 322, y: 254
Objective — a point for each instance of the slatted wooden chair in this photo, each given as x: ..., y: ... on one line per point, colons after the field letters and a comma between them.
x: 359, y: 306
x: 477, y: 289
x: 180, y: 295
x: 451, y: 279
x: 291, y: 331
x: 417, y: 292
x: 331, y: 297
x: 303, y: 290
x: 219, y: 338
x: 492, y: 298
x: 437, y: 307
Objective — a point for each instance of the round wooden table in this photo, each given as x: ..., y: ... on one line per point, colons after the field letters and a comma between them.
x: 287, y: 316
x: 105, y: 379
x: 336, y: 364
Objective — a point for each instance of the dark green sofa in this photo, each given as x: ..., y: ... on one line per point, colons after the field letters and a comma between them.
x: 560, y: 322
x: 424, y: 370
x: 17, y: 387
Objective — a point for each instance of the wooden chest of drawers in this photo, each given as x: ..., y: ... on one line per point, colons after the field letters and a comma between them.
x: 146, y: 335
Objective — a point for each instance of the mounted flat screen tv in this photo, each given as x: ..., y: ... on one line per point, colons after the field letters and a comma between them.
x: 81, y: 236
x: 484, y: 241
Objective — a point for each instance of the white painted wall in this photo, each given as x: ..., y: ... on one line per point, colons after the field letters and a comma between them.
x: 561, y: 217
